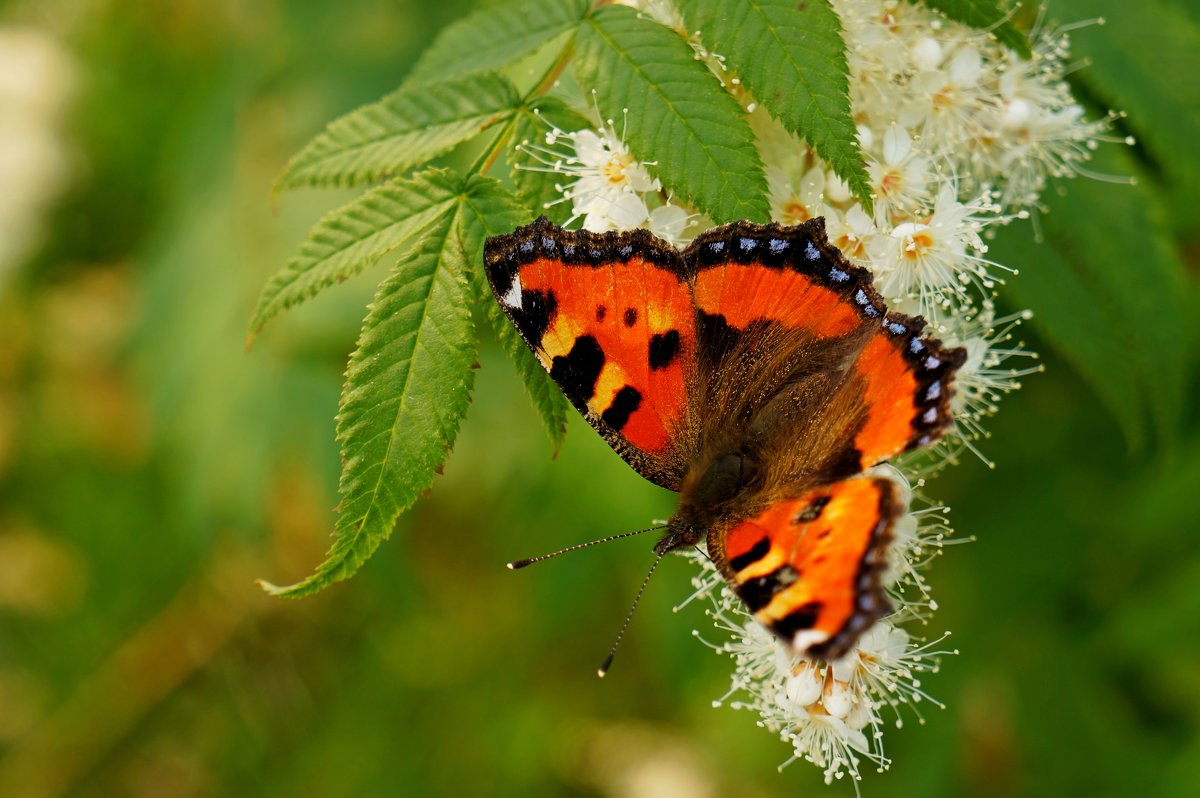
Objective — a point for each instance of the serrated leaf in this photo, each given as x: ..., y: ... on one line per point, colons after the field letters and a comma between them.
x: 406, y: 392
x: 1143, y: 61
x: 356, y: 236
x: 792, y: 57
x: 488, y: 211
x: 988, y: 15
x: 529, y: 175
x: 406, y: 129
x: 494, y: 37
x: 1105, y: 289
x: 678, y: 116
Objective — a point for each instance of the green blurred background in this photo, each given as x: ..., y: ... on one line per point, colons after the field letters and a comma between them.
x: 150, y: 470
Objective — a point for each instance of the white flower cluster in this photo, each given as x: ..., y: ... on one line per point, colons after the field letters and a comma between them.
x: 959, y: 135
x: 832, y: 714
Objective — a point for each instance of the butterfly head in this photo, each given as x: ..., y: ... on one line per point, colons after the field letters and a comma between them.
x: 680, y: 534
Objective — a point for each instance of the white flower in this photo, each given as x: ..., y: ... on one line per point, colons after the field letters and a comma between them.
x: 932, y: 264
x: 604, y: 211
x: 670, y: 222
x: 899, y: 176
x: 661, y: 11
x: 608, y: 185
x: 946, y: 101
x: 849, y: 231
x: 994, y: 367
x: 959, y: 135
x: 780, y: 150
x: 1039, y: 129
x: 608, y: 181
x: 795, y: 201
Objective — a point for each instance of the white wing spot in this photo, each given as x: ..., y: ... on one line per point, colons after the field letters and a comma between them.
x: 512, y: 298
x: 806, y: 639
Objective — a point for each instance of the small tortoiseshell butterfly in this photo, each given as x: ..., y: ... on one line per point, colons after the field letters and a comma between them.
x: 758, y: 373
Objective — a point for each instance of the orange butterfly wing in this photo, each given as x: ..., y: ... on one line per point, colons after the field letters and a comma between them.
x: 627, y: 325
x: 793, y: 277
x: 810, y: 569
x: 908, y: 381
x: 610, y: 318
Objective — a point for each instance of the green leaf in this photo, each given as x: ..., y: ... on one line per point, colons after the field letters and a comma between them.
x: 496, y: 36
x: 1074, y: 319
x: 356, y: 236
x: 1105, y: 289
x: 406, y: 392
x: 985, y: 15
x: 537, y: 187
x: 491, y: 210
x: 678, y: 116
x: 792, y: 57
x: 1143, y: 61
x: 406, y: 129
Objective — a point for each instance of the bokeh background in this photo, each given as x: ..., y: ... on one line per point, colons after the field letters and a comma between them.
x: 150, y: 470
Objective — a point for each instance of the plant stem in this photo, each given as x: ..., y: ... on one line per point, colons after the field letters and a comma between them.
x: 551, y: 75
x: 489, y: 154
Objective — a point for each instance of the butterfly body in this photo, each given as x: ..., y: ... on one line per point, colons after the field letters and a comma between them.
x: 757, y: 373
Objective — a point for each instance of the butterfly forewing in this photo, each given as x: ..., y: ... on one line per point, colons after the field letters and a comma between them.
x: 610, y: 317
x: 808, y: 311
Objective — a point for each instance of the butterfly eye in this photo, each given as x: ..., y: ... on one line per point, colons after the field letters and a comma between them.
x: 812, y: 512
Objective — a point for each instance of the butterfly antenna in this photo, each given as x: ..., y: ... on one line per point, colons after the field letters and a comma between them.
x: 515, y: 564
x: 612, y: 652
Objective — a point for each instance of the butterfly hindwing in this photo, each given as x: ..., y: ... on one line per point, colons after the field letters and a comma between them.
x: 810, y: 568
x: 610, y: 318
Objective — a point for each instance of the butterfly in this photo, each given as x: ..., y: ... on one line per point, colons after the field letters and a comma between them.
x: 757, y: 373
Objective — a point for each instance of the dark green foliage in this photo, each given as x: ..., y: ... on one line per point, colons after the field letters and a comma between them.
x: 1128, y: 58
x: 1107, y: 287
x: 493, y: 211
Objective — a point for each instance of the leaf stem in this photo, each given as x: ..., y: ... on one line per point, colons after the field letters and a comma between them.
x: 489, y: 154
x: 549, y: 78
